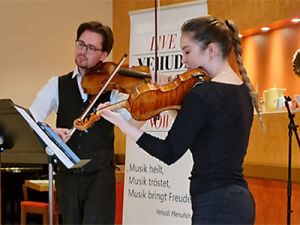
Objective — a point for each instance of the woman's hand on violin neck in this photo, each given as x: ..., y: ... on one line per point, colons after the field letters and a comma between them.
x: 161, y: 78
x: 103, y: 105
x: 113, y: 117
x: 125, y: 126
x: 63, y: 133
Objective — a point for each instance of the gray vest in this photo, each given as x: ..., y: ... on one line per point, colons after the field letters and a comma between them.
x: 97, y: 144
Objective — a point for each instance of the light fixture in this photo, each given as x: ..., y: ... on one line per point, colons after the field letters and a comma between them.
x: 240, y: 35
x: 295, y: 20
x: 265, y: 29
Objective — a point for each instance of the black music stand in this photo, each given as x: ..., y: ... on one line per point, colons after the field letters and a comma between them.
x: 18, y: 144
x: 5, y: 144
x: 21, y: 130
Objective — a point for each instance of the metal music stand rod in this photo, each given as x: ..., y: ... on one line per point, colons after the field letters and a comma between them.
x: 50, y: 183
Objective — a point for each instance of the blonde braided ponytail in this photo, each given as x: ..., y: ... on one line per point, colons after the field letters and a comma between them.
x: 236, y: 42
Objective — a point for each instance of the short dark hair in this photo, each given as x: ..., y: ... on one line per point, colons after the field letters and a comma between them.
x: 97, y: 27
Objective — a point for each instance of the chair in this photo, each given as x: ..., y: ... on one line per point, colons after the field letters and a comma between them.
x: 119, y: 194
x: 36, y: 207
x: 119, y: 203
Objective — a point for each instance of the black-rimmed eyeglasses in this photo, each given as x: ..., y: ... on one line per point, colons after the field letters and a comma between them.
x: 89, y: 48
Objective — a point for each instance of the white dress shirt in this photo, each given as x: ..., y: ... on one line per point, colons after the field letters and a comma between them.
x: 47, y: 99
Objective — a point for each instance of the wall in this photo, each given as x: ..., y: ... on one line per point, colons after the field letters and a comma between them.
x: 121, y: 21
x: 253, y: 13
x: 245, y: 13
x: 37, y: 42
x: 268, y: 58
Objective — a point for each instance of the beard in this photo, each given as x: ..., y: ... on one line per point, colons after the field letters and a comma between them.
x: 82, y: 61
x: 81, y: 66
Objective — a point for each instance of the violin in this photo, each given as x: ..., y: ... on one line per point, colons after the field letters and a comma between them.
x: 109, y: 76
x: 124, y: 80
x: 148, y: 100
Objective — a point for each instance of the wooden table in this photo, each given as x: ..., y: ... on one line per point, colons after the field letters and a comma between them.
x: 38, y: 185
x: 43, y: 185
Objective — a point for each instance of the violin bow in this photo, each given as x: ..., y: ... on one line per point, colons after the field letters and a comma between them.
x: 156, y: 46
x: 91, y: 104
x: 155, y: 40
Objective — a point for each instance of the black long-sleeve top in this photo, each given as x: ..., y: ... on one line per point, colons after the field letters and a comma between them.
x: 214, y: 124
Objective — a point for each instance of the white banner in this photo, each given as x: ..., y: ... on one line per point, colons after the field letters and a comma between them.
x: 155, y: 193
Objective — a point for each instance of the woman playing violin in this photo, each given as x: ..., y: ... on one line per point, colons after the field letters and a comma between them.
x: 214, y: 124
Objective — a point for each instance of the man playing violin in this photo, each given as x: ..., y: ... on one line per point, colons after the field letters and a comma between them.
x: 86, y: 195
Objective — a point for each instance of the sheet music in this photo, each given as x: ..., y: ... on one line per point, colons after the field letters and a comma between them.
x: 53, y: 141
x: 58, y: 141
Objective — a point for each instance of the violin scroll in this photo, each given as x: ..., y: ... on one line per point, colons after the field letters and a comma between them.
x: 87, y: 122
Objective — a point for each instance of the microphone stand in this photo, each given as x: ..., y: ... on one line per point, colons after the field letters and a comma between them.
x: 292, y: 128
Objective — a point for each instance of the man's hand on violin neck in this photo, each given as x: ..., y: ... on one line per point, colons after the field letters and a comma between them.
x: 63, y: 133
x: 161, y: 78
